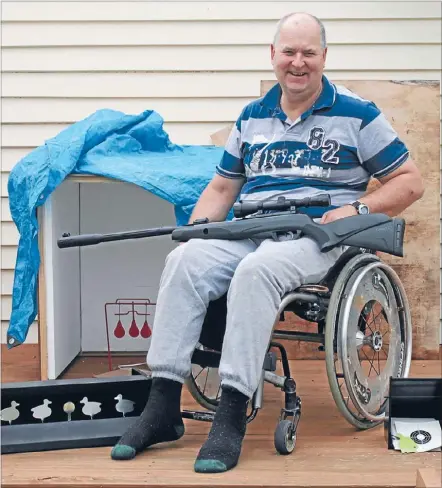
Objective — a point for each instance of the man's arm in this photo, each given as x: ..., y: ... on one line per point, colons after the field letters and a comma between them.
x: 217, y: 199
x: 399, y: 190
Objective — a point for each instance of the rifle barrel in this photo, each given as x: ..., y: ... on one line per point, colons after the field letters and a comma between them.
x: 92, y: 239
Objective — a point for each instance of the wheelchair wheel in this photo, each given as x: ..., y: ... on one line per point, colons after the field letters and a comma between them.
x: 204, y: 385
x: 367, y: 339
x: 285, y: 437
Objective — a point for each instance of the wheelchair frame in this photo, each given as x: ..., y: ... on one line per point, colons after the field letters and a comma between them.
x: 319, y: 303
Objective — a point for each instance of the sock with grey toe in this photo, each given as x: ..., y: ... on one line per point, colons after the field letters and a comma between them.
x: 160, y: 420
x: 222, y: 449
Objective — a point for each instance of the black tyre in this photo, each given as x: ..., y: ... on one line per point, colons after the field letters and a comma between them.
x: 285, y: 437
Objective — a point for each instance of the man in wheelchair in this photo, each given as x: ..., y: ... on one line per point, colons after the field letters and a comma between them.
x: 306, y: 137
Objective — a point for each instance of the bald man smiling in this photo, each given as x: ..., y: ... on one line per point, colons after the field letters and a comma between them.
x: 304, y: 138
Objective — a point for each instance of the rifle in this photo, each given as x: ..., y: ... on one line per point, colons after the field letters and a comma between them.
x: 377, y: 232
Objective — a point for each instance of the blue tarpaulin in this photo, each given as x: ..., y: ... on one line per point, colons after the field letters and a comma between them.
x: 130, y: 148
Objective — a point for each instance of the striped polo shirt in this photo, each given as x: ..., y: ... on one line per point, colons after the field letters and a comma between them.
x: 334, y: 147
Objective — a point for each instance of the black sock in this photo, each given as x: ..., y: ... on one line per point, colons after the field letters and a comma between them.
x: 160, y: 420
x: 222, y: 449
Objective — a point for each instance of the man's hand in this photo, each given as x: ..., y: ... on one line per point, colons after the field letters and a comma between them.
x: 338, y: 213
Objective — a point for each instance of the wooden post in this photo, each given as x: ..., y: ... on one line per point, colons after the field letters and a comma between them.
x: 428, y: 478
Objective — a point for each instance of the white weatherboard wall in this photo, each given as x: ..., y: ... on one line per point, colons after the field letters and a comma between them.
x: 196, y: 63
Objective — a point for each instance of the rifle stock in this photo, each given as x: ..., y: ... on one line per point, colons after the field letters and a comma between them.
x: 376, y: 231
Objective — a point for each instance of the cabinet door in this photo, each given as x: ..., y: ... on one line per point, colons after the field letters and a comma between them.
x: 59, y: 282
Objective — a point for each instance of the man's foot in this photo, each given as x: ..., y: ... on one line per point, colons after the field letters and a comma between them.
x: 160, y: 421
x: 222, y: 449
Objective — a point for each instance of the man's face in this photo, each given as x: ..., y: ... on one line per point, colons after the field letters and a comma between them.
x: 298, y: 58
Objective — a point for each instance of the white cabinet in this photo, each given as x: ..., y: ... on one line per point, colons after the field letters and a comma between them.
x: 79, y: 288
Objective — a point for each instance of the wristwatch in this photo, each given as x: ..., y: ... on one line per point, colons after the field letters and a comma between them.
x: 360, y: 207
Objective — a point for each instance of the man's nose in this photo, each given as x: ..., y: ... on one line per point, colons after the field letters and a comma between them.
x: 298, y: 61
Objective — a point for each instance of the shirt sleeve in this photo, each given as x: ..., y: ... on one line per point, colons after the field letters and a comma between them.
x: 232, y: 164
x: 380, y: 149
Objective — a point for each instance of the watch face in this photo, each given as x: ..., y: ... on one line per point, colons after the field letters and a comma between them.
x: 363, y: 210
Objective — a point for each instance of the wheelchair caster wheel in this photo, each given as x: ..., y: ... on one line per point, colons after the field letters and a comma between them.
x: 285, y: 437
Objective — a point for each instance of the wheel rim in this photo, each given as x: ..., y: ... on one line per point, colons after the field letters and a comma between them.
x: 333, y: 363
x: 205, y: 385
x: 369, y: 357
x: 290, y: 439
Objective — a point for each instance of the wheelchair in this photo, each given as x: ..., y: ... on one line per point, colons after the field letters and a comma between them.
x: 360, y: 309
x: 363, y: 325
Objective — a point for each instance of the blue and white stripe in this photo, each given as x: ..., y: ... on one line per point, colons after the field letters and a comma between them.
x: 335, y: 147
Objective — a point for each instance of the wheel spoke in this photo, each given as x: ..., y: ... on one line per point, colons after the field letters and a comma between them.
x: 372, y: 313
x: 366, y: 323
x: 202, y: 369
x: 205, y: 383
x: 371, y: 365
x: 370, y: 361
x: 382, y: 310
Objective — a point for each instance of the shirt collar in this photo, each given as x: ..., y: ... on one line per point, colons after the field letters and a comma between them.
x: 325, y: 100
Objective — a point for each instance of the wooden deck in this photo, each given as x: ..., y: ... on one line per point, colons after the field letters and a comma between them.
x: 329, y: 452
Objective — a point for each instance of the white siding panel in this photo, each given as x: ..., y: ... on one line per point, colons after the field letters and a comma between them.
x: 11, y: 156
x: 253, y: 32
x: 24, y: 135
x: 6, y: 307
x: 9, y: 234
x: 7, y: 281
x: 5, y: 213
x: 47, y: 110
x: 8, y: 256
x: 211, y: 58
x: 170, y: 85
x: 4, y: 184
x: 134, y: 85
x: 142, y: 11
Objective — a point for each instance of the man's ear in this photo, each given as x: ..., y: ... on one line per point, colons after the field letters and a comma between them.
x: 325, y: 54
x: 272, y: 51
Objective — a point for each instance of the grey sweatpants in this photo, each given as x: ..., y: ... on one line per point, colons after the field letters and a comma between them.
x: 256, y: 275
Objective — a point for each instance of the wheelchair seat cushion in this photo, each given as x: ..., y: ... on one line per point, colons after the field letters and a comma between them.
x: 214, y: 325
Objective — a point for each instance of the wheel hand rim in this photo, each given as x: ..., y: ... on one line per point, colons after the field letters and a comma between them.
x: 368, y: 394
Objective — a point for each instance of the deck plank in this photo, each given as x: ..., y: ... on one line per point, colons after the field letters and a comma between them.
x: 329, y: 452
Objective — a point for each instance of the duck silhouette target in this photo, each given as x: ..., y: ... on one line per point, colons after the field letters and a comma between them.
x: 43, y: 411
x: 124, y: 405
x: 11, y: 413
x: 90, y: 408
